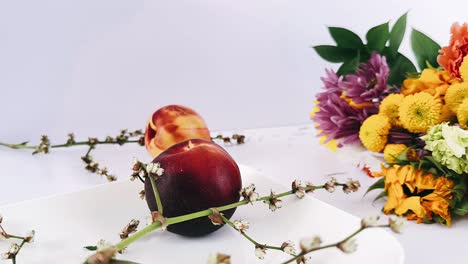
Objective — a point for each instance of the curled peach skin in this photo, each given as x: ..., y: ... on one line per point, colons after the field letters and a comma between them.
x: 173, y: 124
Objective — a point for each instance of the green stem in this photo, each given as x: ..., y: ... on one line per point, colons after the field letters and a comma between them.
x: 156, y: 194
x: 178, y: 219
x: 17, y: 237
x: 231, y: 224
x: 81, y: 143
x: 124, y: 243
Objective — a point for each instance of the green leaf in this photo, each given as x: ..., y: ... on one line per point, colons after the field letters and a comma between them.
x: 91, y: 248
x: 345, y: 38
x: 380, y: 184
x: 380, y: 196
x: 436, y: 163
x: 396, y: 35
x: 377, y: 37
x: 399, y: 70
x: 461, y: 209
x: 425, y: 49
x: 459, y: 191
x: 334, y: 54
x: 349, y: 66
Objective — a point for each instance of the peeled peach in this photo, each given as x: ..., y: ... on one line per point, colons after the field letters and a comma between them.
x: 173, y: 124
x: 198, y: 175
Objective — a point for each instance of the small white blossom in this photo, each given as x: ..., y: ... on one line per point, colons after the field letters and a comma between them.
x: 241, y: 225
x: 330, y: 185
x: 288, y: 247
x: 351, y: 186
x: 369, y: 221
x: 154, y: 168
x: 307, y: 244
x: 103, y: 244
x: 298, y: 188
x: 11, y: 253
x: 30, y: 236
x: 397, y: 224
x: 260, y: 252
x: 249, y: 193
x: 348, y: 246
x: 6, y: 256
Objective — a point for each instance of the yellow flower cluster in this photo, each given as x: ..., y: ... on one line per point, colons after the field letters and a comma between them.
x: 430, y: 99
x: 416, y: 194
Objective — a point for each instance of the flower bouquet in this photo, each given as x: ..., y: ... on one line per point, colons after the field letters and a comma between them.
x: 417, y: 116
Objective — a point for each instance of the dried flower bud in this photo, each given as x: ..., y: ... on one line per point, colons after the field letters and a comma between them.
x: 219, y: 258
x: 109, y: 139
x: 44, y: 145
x: 260, y: 252
x: 129, y: 228
x: 348, y: 246
x: 369, y: 221
x: 136, y: 165
x: 215, y: 217
x: 1, y: 218
x: 310, y: 188
x: 14, y: 248
x: 29, y: 238
x: 273, y: 203
x: 288, y: 247
x: 330, y: 185
x: 249, y: 193
x: 241, y: 225
x: 141, y: 141
x: 92, y: 141
x: 104, y: 254
x: 351, y: 186
x: 142, y: 194
x: 157, y: 216
x: 3, y: 235
x: 298, y: 189
x: 111, y: 178
x: 307, y: 244
x: 303, y: 260
x: 71, y: 139
x: 397, y: 224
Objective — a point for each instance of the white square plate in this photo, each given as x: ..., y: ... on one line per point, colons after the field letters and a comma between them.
x: 64, y: 224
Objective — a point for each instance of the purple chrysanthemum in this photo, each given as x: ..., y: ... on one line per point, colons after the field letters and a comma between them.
x: 369, y: 83
x: 338, y: 120
x: 333, y: 84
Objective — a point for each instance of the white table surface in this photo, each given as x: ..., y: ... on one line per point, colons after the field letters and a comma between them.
x: 282, y: 154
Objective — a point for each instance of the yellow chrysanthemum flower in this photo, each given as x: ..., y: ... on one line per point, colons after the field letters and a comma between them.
x: 464, y: 69
x: 462, y: 114
x: 456, y: 93
x: 390, y: 108
x: 374, y: 131
x: 420, y: 111
x: 392, y: 151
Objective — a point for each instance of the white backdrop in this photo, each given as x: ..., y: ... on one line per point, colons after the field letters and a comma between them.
x: 94, y: 67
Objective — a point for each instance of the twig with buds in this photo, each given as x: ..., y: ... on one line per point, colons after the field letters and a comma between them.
x: 348, y: 244
x: 15, y: 248
x: 249, y: 195
x: 124, y: 137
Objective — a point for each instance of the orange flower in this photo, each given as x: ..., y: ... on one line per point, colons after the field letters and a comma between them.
x: 416, y: 194
x: 452, y: 55
x: 432, y: 81
x: 173, y: 124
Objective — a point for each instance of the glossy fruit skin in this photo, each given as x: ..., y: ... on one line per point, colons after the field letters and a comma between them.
x: 173, y: 124
x: 198, y: 175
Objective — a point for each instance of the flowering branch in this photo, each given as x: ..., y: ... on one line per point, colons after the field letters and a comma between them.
x: 250, y: 196
x: 260, y: 249
x: 124, y: 137
x: 14, y: 250
x: 348, y: 244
